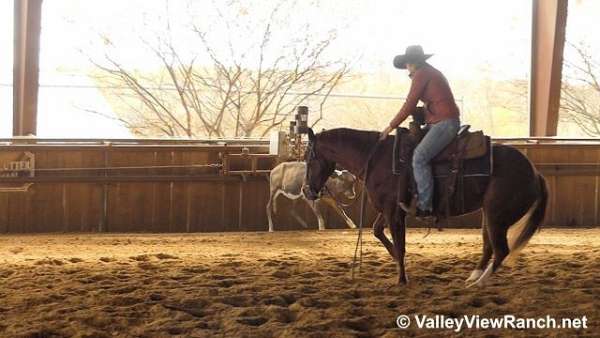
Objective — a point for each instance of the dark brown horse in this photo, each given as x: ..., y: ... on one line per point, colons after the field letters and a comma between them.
x: 516, y: 193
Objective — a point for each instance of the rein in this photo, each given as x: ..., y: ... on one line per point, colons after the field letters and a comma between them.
x: 363, y: 206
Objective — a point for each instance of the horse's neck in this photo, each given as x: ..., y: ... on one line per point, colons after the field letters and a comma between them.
x: 351, y: 152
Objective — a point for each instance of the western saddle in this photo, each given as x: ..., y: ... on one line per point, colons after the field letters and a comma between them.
x: 470, y: 150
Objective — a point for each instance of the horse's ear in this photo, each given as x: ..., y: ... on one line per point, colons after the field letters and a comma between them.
x: 311, y: 135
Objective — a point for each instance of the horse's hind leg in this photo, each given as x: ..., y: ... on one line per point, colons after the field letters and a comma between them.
x: 487, y: 253
x: 498, y: 237
x: 497, y: 228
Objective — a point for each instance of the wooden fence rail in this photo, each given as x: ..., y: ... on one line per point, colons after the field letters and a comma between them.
x: 171, y: 186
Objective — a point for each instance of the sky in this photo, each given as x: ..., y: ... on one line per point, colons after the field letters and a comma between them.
x: 459, y: 32
x: 466, y: 37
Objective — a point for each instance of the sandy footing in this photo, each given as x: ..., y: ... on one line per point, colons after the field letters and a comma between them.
x: 284, y: 284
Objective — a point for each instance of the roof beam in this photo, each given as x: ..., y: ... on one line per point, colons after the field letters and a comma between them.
x: 547, y: 44
x: 27, y: 24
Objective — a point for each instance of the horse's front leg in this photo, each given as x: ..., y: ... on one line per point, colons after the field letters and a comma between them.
x: 398, y: 229
x: 379, y: 233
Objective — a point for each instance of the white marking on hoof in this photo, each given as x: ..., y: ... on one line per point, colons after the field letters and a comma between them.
x: 475, y: 274
x: 484, y: 277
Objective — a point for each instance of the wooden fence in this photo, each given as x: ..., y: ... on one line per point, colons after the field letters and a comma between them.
x: 171, y: 186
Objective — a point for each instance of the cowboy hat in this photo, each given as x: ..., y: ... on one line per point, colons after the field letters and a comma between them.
x: 413, y: 54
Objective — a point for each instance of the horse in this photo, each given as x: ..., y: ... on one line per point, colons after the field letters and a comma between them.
x: 287, y: 179
x: 515, y: 193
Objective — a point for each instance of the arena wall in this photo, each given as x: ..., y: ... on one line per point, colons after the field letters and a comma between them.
x: 84, y: 186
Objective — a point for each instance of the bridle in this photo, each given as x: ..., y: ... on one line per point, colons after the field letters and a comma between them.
x: 310, y: 155
x: 364, y: 175
x: 365, y: 171
x: 363, y: 206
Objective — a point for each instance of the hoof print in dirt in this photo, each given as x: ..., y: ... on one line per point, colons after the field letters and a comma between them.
x: 252, y: 321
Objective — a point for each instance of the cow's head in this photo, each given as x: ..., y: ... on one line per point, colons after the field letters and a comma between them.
x: 318, y: 169
x: 342, y: 184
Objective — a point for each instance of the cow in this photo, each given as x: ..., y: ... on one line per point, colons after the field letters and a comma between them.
x: 287, y: 179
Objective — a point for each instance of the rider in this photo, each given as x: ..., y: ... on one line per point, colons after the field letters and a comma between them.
x: 441, y: 115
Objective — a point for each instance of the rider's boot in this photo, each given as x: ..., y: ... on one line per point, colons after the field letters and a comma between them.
x: 411, y: 209
x: 424, y: 215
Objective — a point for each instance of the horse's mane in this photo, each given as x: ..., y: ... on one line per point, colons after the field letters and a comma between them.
x: 345, y: 135
x: 352, y: 137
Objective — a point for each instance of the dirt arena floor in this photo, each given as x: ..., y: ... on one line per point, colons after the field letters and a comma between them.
x: 284, y: 284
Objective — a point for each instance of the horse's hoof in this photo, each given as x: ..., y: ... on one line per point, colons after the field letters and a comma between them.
x: 478, y: 284
x: 483, y: 277
x: 397, y: 285
x: 475, y: 274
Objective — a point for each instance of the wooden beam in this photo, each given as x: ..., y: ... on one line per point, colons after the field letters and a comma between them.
x: 547, y: 45
x: 27, y: 24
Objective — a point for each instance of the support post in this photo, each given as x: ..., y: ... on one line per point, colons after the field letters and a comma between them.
x: 547, y: 45
x: 27, y: 24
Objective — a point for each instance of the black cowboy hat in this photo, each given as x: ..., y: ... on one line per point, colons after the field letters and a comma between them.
x: 413, y: 54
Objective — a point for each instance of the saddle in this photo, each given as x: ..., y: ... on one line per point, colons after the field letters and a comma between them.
x: 466, y: 161
x: 467, y: 145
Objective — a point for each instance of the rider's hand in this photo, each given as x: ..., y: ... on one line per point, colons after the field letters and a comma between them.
x: 383, y: 135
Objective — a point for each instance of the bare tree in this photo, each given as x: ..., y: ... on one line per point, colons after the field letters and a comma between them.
x: 228, y: 90
x: 580, y: 92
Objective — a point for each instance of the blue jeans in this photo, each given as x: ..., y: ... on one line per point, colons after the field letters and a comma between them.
x: 439, y: 136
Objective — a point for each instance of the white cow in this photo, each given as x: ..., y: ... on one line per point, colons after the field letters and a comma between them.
x: 287, y: 179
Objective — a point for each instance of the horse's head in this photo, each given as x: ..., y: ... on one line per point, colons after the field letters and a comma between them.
x: 318, y: 169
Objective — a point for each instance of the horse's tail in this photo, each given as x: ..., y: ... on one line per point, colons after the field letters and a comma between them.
x: 531, y: 222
